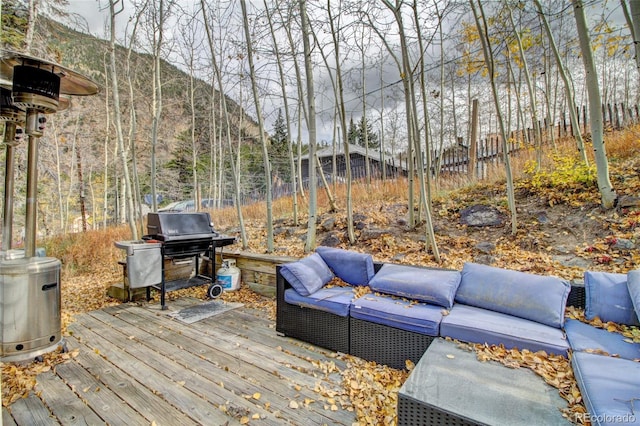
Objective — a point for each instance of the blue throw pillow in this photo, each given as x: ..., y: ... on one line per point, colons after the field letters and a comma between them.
x: 350, y: 266
x: 537, y: 298
x: 633, y: 285
x: 434, y: 286
x: 307, y: 275
x: 608, y: 298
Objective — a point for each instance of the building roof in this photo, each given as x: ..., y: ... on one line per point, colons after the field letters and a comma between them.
x: 328, y: 151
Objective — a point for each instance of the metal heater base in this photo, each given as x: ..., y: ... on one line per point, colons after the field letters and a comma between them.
x: 30, y: 307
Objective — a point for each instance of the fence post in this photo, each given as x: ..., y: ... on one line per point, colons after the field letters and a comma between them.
x: 473, y: 143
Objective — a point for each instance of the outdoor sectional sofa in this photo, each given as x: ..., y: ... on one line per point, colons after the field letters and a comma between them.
x: 411, y: 306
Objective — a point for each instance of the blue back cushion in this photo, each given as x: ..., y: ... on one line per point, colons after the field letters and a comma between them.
x: 633, y: 285
x: 350, y: 266
x: 534, y: 297
x: 307, y: 275
x: 608, y: 298
x: 434, y: 286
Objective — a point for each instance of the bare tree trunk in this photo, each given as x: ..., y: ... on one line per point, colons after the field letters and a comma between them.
x: 412, y: 125
x: 311, y: 122
x: 607, y: 194
x: 263, y: 140
x: 133, y: 120
x: 118, y: 117
x: 343, y: 126
x: 488, y: 55
x: 287, y: 115
x: 633, y: 22
x: 107, y: 139
x: 31, y: 24
x: 530, y: 88
x: 223, y: 104
x: 157, y: 99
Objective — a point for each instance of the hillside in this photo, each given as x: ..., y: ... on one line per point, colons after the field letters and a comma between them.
x: 85, y: 135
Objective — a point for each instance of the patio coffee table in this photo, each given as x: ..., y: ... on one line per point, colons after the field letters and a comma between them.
x: 449, y: 386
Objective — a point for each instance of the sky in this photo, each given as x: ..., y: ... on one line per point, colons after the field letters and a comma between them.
x: 95, y: 13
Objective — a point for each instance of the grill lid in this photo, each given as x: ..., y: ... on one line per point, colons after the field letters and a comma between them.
x: 171, y: 226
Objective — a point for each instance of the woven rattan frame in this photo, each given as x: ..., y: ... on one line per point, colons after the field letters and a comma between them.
x: 314, y: 326
x: 387, y: 345
x: 416, y: 413
x: 577, y: 296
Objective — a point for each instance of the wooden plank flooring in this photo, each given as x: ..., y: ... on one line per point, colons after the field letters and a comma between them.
x: 139, y: 366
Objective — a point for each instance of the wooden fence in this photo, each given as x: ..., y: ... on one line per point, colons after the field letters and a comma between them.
x: 489, y: 150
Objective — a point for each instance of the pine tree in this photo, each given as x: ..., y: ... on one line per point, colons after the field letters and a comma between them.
x: 353, y: 134
x: 278, y: 150
x: 372, y: 138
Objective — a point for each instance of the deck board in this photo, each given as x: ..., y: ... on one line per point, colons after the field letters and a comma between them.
x: 138, y: 365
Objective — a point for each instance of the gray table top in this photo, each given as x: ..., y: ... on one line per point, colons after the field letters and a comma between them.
x: 451, y: 379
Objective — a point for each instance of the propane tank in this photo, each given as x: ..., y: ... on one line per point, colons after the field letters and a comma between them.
x: 228, y: 275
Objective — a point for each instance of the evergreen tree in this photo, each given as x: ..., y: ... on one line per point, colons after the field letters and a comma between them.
x: 364, y: 127
x: 278, y: 149
x: 353, y: 134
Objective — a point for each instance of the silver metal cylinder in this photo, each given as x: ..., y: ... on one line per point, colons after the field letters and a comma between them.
x: 30, y: 302
x: 31, y: 217
x: 7, y: 218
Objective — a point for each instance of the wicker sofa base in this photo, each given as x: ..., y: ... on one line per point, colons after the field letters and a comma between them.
x: 310, y: 325
x: 386, y: 345
x: 314, y: 326
x: 412, y: 412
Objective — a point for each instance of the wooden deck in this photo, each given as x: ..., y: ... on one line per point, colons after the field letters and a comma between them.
x: 139, y: 366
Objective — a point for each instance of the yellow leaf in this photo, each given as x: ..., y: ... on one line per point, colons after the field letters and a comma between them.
x: 256, y: 416
x: 256, y: 395
x: 293, y: 405
x: 244, y: 420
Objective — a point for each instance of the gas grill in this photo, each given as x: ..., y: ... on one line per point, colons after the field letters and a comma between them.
x: 184, y: 236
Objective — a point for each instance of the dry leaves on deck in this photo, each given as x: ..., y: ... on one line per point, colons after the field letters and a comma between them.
x: 18, y: 380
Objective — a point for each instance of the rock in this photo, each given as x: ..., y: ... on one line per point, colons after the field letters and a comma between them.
x: 481, y: 215
x: 330, y: 240
x: 359, y: 217
x: 542, y: 218
x: 360, y: 225
x: 401, y: 221
x: 627, y: 201
x: 398, y: 257
x: 485, y: 259
x: 563, y: 249
x: 329, y: 224
x: 572, y: 261
x: 486, y: 247
x: 623, y: 244
x: 287, y: 231
x: 372, y: 234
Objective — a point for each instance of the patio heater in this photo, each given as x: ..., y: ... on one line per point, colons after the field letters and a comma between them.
x: 30, y: 285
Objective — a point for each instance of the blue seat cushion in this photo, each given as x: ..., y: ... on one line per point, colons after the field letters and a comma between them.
x: 534, y: 297
x: 633, y: 285
x: 477, y: 325
x: 608, y: 298
x: 610, y: 388
x: 335, y: 300
x: 398, y: 313
x: 586, y: 338
x: 307, y: 275
x: 434, y: 286
x: 350, y: 266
